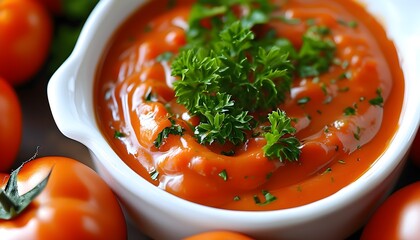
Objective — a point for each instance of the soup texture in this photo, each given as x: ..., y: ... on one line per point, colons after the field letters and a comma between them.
x: 257, y: 106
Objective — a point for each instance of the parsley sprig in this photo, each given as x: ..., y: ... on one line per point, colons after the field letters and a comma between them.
x: 215, y: 83
x: 278, y: 146
x: 227, y: 74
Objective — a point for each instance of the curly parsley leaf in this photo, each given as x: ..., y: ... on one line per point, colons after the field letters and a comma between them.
x: 278, y: 146
x: 221, y: 121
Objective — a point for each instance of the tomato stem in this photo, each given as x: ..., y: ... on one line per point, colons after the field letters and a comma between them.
x: 11, y: 203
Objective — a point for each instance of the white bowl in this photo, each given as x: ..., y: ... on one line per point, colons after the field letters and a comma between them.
x: 161, y: 215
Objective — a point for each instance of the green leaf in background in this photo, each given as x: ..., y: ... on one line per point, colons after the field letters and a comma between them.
x: 67, y: 29
x: 78, y: 10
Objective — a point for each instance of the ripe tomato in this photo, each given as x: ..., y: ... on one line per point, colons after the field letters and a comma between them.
x: 10, y: 125
x: 415, y: 150
x: 398, y: 217
x: 25, y: 38
x: 75, y: 204
x: 218, y: 235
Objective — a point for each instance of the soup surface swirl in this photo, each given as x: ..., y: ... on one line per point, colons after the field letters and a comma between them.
x: 344, y: 118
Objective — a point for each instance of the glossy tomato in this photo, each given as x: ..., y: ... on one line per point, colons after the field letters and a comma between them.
x: 219, y: 235
x: 25, y: 38
x: 398, y: 217
x: 415, y: 150
x: 75, y: 204
x: 10, y: 125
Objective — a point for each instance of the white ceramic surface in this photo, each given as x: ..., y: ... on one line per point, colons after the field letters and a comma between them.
x: 163, y: 216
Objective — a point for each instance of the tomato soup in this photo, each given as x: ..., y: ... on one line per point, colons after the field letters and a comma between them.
x: 344, y: 117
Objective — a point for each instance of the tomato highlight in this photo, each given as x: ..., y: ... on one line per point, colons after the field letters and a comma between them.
x: 25, y: 38
x: 398, y: 217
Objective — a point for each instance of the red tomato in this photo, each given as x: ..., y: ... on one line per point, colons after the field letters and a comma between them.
x: 75, y: 204
x: 218, y: 235
x: 415, y: 150
x: 10, y: 125
x: 25, y: 38
x: 398, y: 217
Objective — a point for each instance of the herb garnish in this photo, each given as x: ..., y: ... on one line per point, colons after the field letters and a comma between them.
x: 174, y: 129
x: 350, y: 24
x: 214, y: 83
x: 317, y: 52
x: 118, y: 134
x: 154, y: 175
x: 269, y: 198
x: 349, y: 111
x: 228, y: 74
x: 303, y: 100
x: 277, y: 145
x: 378, y: 100
x: 223, y: 175
x: 328, y: 170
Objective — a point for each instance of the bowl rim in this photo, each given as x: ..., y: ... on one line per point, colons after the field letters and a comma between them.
x: 367, y: 182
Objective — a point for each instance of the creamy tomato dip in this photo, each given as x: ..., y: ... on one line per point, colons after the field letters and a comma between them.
x: 344, y: 115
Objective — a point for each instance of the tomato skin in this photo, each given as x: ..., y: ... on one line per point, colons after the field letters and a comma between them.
x: 415, y: 150
x: 398, y: 217
x: 25, y: 38
x: 219, y: 235
x: 75, y: 204
x: 10, y: 125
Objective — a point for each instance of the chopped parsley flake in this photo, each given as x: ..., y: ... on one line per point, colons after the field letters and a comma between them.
x: 328, y: 170
x: 349, y: 111
x: 350, y: 24
x: 174, y: 129
x: 303, y: 100
x: 378, y: 100
x: 357, y: 133
x: 223, y: 175
x: 118, y: 134
x: 269, y: 198
x: 345, y: 75
x: 154, y: 175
